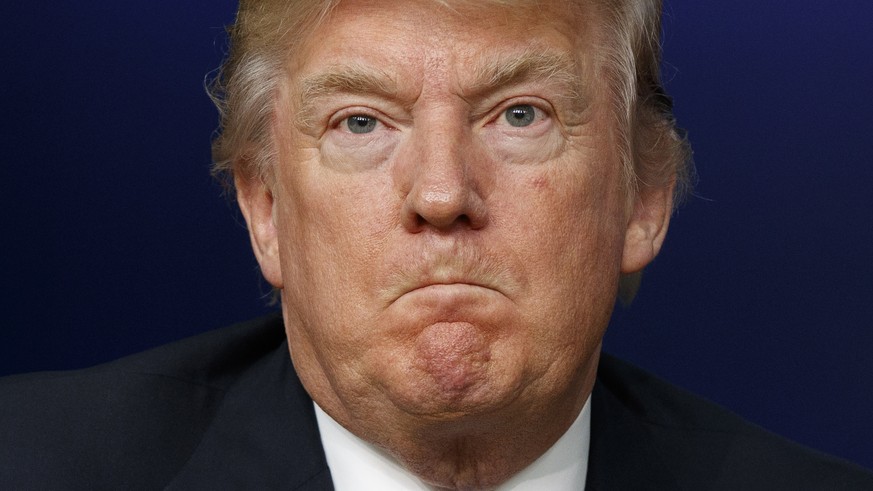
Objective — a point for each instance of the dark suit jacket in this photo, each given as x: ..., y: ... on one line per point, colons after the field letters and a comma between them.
x: 225, y: 410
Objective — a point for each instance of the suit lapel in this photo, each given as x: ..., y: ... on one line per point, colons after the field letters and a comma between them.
x: 263, y: 436
x: 623, y: 454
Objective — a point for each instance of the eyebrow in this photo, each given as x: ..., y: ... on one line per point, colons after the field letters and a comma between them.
x: 530, y: 65
x: 353, y: 79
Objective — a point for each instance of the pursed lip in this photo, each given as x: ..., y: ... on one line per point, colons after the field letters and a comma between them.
x: 461, y: 266
x: 441, y: 295
x: 460, y: 283
x: 448, y: 283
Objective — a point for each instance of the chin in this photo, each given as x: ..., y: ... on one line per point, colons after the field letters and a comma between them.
x: 454, y: 370
x: 430, y: 404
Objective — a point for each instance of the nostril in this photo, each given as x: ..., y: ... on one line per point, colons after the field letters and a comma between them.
x: 418, y: 222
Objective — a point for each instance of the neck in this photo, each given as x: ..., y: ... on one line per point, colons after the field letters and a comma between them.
x: 475, y: 452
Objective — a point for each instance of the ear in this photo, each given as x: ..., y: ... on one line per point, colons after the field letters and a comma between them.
x: 256, y: 203
x: 647, y: 226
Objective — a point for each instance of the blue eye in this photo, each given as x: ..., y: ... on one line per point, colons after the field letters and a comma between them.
x: 520, y: 115
x: 360, y: 124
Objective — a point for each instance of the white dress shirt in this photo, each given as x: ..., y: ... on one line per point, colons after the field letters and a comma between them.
x: 356, y: 465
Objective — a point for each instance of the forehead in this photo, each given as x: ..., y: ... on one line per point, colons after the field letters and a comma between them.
x: 463, y: 33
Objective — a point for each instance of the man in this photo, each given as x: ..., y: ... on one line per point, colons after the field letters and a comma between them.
x: 447, y: 197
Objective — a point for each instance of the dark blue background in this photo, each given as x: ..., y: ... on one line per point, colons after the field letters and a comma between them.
x: 115, y: 238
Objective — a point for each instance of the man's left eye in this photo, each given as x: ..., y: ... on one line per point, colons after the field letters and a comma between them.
x: 520, y: 115
x: 361, y: 124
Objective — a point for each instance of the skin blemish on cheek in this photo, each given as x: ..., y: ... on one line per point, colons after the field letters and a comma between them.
x: 541, y: 183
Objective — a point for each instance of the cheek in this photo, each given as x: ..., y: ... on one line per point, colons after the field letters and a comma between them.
x: 571, y: 229
x: 581, y: 279
x: 334, y: 226
x: 334, y: 231
x: 574, y: 199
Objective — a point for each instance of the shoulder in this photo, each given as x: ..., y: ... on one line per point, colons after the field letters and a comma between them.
x: 692, y: 443
x: 213, y: 360
x: 118, y: 419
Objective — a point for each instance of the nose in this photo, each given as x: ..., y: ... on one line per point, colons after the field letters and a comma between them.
x: 444, y: 187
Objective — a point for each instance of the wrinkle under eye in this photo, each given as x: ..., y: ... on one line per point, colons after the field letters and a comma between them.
x: 360, y: 124
x: 520, y: 115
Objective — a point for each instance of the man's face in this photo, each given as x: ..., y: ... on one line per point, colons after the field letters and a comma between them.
x: 448, y: 221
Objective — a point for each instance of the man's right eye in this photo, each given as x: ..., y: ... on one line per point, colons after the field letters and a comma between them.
x: 361, y: 124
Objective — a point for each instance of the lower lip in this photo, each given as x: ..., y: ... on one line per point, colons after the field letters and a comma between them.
x: 450, y: 292
x: 455, y: 302
x: 450, y: 287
